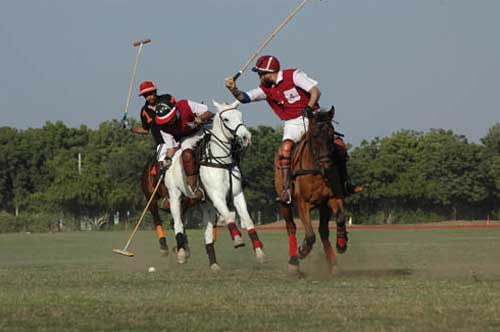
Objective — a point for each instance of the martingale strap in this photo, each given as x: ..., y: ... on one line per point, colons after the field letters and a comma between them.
x: 206, y: 157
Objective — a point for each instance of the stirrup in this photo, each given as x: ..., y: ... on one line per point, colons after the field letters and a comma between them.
x: 203, y: 195
x: 287, y: 201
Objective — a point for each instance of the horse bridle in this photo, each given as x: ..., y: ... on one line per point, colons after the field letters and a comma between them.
x: 231, y: 147
x: 234, y: 131
x: 324, y: 127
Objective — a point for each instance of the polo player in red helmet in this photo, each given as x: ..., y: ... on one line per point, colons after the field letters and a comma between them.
x: 148, y: 90
x: 290, y: 93
x: 180, y: 128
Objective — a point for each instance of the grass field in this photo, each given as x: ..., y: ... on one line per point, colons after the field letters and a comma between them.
x: 389, y: 280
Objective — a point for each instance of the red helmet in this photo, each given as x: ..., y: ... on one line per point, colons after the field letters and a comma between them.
x: 166, y: 112
x: 146, y: 86
x: 267, y: 64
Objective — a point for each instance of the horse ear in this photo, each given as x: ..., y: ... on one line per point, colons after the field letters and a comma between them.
x: 235, y: 104
x: 332, y: 112
x: 217, y: 105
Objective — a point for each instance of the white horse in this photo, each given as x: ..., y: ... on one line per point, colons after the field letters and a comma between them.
x: 219, y: 175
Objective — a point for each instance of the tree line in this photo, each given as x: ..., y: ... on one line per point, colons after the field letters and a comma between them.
x: 407, y: 177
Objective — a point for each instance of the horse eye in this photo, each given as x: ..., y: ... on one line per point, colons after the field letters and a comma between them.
x: 225, y: 119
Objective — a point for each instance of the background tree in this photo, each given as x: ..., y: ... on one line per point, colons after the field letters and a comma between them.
x: 490, y: 166
x: 258, y: 171
x: 408, y: 176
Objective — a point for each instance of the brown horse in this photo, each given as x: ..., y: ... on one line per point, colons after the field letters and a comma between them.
x: 149, y: 180
x: 316, y: 184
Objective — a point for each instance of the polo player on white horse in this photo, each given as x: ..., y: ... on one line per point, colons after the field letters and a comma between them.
x: 180, y: 127
x: 219, y: 175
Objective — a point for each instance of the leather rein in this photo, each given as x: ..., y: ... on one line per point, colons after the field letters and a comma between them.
x: 319, y: 169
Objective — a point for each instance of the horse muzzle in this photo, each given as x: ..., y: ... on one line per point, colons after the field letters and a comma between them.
x: 244, y: 136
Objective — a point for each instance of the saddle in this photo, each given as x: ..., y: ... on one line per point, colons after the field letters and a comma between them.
x: 297, y: 167
x: 199, y: 151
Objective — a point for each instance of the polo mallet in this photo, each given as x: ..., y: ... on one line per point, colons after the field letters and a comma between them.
x: 124, y: 251
x: 268, y: 40
x: 139, y: 43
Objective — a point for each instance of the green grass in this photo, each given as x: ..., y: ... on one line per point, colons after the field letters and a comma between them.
x: 389, y: 280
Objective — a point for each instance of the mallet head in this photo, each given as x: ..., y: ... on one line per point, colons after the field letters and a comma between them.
x: 123, y: 252
x: 142, y: 41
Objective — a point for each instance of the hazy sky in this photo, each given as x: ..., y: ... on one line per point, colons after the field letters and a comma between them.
x: 386, y: 65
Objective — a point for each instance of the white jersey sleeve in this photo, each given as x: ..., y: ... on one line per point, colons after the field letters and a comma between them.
x: 170, y: 142
x: 197, y: 108
x: 256, y: 94
x: 303, y: 81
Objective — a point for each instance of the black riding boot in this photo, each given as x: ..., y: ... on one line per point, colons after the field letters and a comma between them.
x: 348, y: 187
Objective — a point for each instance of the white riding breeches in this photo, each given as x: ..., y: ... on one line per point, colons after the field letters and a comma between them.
x: 295, y: 128
x: 185, y: 143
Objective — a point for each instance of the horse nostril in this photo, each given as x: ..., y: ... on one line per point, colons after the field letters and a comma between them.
x: 246, y: 139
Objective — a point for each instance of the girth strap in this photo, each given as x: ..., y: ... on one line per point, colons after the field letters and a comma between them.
x: 300, y: 172
x: 209, y: 164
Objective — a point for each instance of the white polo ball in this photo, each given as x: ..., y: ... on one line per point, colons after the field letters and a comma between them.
x: 151, y: 269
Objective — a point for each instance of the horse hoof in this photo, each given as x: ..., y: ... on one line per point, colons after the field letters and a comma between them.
x: 294, y: 270
x: 181, y: 256
x: 215, y: 267
x: 294, y: 266
x: 259, y: 254
x: 333, y: 270
x: 304, y: 251
x: 341, y: 250
x: 238, y: 242
x: 164, y: 251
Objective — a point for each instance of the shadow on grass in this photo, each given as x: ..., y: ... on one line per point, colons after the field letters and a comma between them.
x: 381, y: 273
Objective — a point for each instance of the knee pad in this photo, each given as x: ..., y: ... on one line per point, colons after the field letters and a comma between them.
x: 285, y: 149
x: 188, y: 162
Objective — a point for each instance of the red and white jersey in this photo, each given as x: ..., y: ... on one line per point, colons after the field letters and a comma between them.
x: 186, y: 124
x: 288, y: 96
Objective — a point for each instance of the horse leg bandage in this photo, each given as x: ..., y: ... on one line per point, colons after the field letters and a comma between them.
x: 252, y: 233
x: 159, y: 231
x: 341, y: 238
x: 233, y: 230
x: 179, y: 237
x: 211, y: 254
x: 292, y: 245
